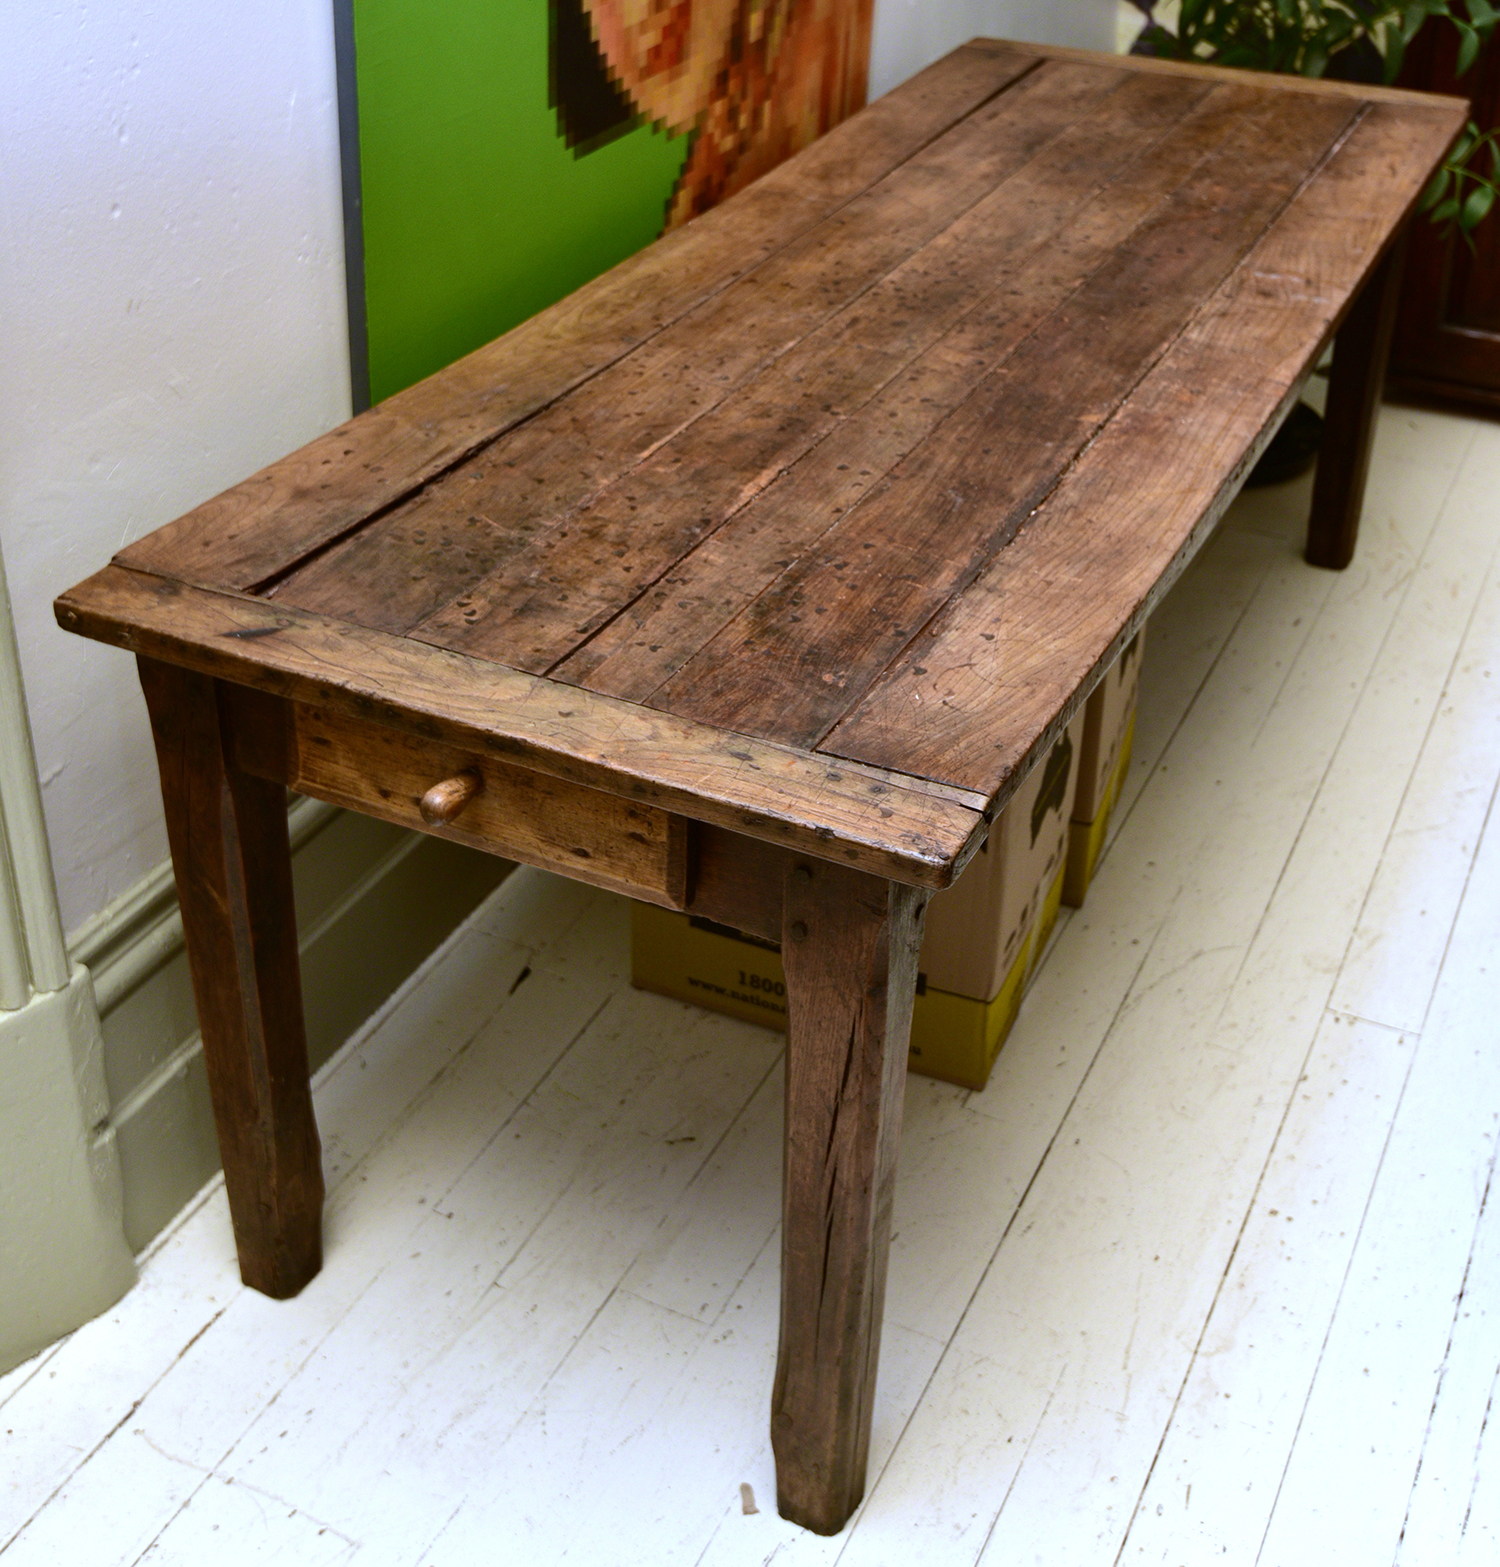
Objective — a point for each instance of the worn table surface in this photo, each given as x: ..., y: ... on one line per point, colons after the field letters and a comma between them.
x: 878, y: 464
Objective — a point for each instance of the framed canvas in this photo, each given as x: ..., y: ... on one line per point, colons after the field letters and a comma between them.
x: 499, y: 153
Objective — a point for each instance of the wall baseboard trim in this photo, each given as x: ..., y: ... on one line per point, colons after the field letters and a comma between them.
x: 373, y: 902
x: 63, y: 1256
x: 129, y: 940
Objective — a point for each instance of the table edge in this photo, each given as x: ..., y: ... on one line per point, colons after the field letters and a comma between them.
x: 902, y: 827
x: 1273, y: 81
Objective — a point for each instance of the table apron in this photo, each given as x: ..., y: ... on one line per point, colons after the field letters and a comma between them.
x: 517, y: 813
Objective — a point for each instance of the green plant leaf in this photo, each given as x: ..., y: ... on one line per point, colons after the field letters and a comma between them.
x: 1479, y: 202
x: 1447, y: 212
x: 1436, y: 187
x: 1468, y: 48
x: 1416, y: 15
x: 1395, y: 54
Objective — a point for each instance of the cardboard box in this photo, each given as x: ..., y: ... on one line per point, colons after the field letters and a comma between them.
x: 984, y: 937
x: 952, y: 1037
x: 1104, y: 761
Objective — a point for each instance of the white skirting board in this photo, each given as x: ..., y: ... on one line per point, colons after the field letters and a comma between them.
x: 373, y: 902
x: 58, y: 1179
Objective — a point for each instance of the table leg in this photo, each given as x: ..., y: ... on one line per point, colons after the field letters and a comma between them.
x: 1361, y: 351
x: 849, y: 945
x: 232, y: 862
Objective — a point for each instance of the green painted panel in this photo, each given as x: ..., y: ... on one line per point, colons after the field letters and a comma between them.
x: 476, y: 215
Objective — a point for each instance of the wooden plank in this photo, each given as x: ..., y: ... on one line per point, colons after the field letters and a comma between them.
x: 482, y: 543
x: 877, y: 285
x: 521, y: 1246
x: 809, y: 647
x: 771, y: 792
x: 92, y: 1389
x: 946, y: 1464
x: 515, y: 812
x: 1393, y: 962
x: 850, y: 947
x: 258, y: 528
x: 233, y: 867
x: 1235, y: 1417
x: 703, y: 593
x: 1347, y: 1484
x: 220, y: 1508
x: 1000, y: 670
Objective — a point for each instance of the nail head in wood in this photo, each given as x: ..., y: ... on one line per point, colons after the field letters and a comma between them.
x: 799, y: 931
x: 443, y: 801
x: 803, y: 873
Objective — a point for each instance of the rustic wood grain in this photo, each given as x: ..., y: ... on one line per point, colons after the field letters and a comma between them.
x: 262, y: 526
x: 499, y: 536
x: 836, y: 412
x: 808, y: 336
x: 514, y: 812
x: 765, y: 791
x: 703, y: 593
x: 984, y: 688
x: 849, y: 945
x: 809, y: 646
x: 232, y: 862
x: 1361, y: 352
x: 737, y: 881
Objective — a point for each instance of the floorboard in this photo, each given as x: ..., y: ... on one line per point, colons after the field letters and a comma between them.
x: 1207, y: 1273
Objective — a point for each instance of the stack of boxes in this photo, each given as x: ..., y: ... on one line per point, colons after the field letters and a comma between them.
x: 985, y: 935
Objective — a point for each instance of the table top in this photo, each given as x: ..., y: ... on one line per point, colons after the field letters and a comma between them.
x: 819, y: 517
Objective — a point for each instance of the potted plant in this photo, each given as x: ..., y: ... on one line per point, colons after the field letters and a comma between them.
x: 1349, y: 40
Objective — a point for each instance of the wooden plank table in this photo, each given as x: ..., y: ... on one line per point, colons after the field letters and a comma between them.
x: 752, y: 578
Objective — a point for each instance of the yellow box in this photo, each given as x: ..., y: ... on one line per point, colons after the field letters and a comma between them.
x: 955, y: 1038
x: 985, y: 936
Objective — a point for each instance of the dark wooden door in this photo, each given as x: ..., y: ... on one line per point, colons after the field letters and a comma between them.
x: 1448, y: 331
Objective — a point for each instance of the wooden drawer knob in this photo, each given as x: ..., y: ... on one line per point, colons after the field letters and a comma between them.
x: 443, y: 801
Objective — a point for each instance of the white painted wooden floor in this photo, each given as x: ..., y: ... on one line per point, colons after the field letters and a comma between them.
x: 1207, y: 1274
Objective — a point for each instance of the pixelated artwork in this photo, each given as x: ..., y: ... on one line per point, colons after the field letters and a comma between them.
x: 751, y: 81
x: 510, y: 150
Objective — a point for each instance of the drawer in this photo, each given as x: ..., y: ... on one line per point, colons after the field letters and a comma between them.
x: 511, y: 811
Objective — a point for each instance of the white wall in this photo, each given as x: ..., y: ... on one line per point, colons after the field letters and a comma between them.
x: 171, y: 319
x: 912, y: 33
